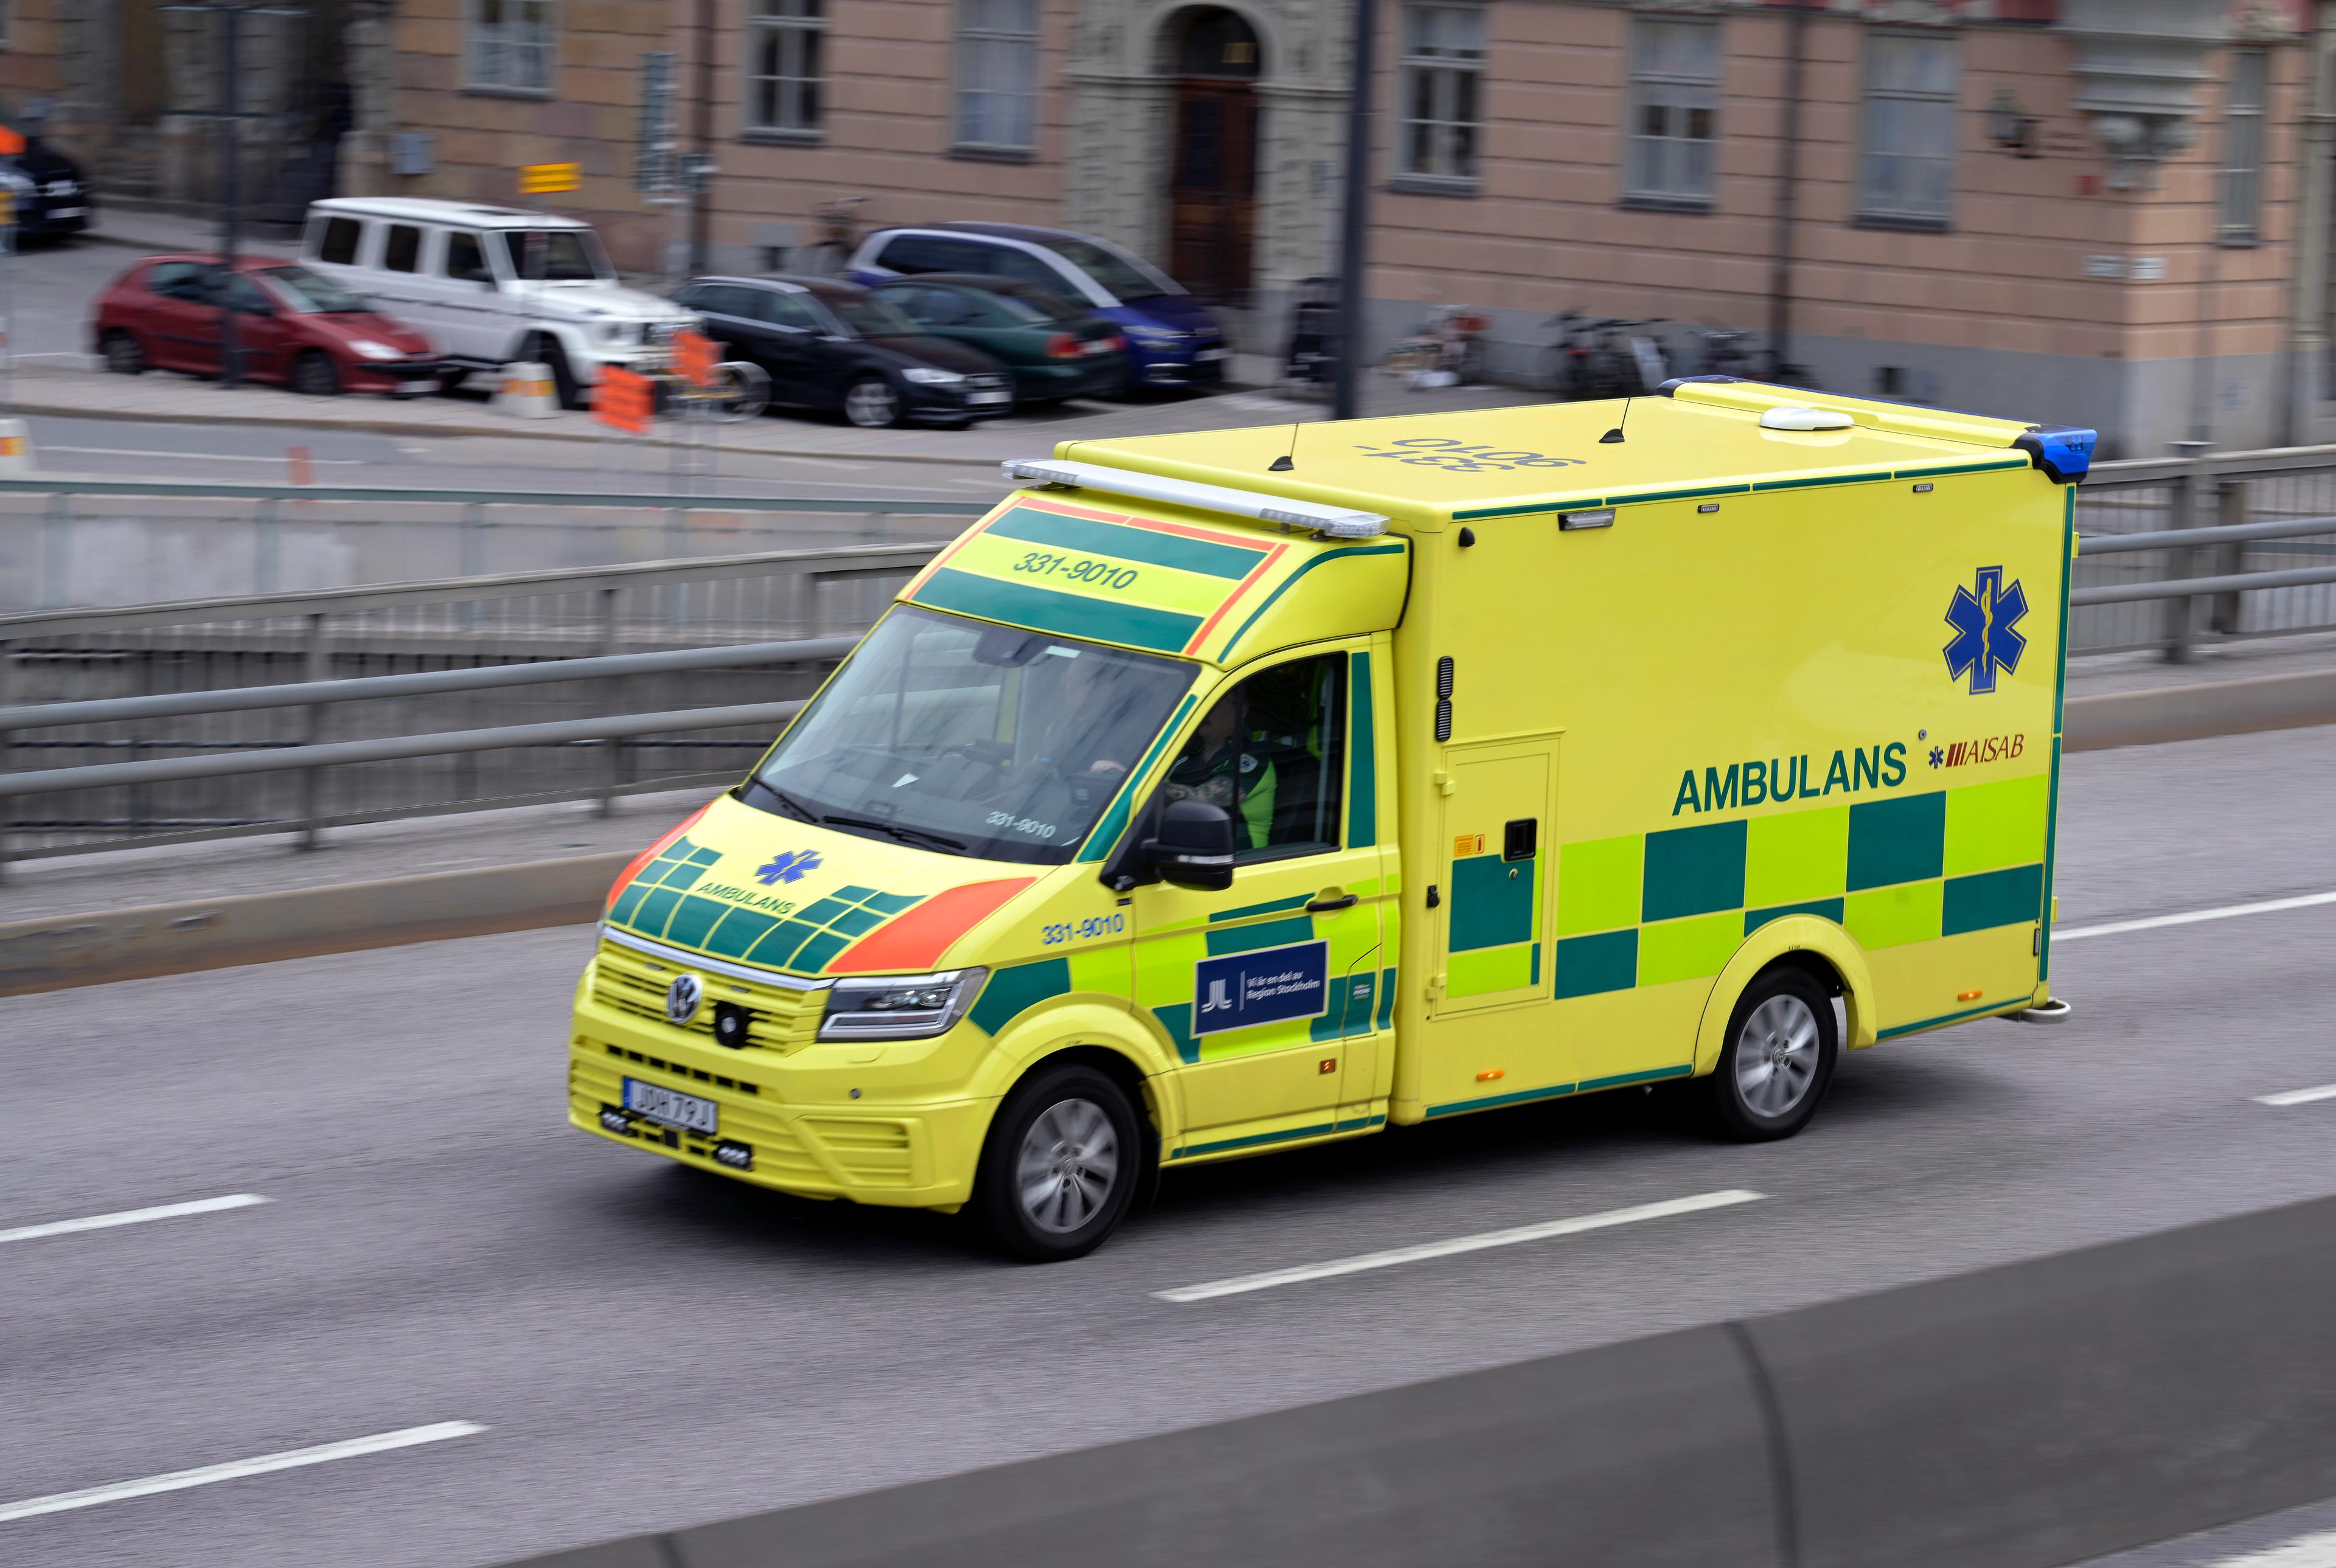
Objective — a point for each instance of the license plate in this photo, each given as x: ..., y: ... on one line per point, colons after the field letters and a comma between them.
x: 418, y: 388
x: 1207, y: 354
x: 986, y: 397
x: 665, y: 1107
x: 67, y: 211
x: 1096, y: 346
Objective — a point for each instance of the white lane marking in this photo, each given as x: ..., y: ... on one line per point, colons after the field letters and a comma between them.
x: 204, y: 456
x: 132, y: 1217
x: 1476, y: 1244
x: 2298, y: 1096
x: 235, y: 1470
x: 2317, y: 1550
x: 2268, y: 907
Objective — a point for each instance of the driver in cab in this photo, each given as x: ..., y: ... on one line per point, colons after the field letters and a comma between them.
x: 1219, y: 767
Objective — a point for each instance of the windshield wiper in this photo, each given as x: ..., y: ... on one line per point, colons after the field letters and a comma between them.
x: 916, y: 836
x: 794, y: 808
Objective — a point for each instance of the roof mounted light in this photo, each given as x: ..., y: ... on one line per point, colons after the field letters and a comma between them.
x: 1792, y: 416
x: 1331, y: 521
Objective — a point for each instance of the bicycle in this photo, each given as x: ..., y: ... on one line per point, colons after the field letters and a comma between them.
x: 1591, y: 360
x: 1447, y: 350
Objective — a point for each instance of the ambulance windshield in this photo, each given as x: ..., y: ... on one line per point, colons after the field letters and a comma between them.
x: 967, y: 738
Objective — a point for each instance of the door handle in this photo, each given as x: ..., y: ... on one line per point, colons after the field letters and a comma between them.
x: 1325, y: 906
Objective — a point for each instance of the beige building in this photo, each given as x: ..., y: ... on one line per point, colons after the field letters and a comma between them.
x: 2079, y: 209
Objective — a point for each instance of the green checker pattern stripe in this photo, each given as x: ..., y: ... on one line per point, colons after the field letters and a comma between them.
x: 1646, y: 909
x: 1063, y: 614
x: 661, y: 903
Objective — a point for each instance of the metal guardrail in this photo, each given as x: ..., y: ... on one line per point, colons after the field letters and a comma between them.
x: 567, y: 626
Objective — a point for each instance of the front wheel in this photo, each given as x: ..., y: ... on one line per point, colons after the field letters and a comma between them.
x: 1060, y: 1165
x: 564, y: 384
x: 314, y: 374
x: 871, y: 404
x: 1779, y: 1057
x: 741, y: 391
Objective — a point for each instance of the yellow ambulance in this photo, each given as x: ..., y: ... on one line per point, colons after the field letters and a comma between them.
x: 1232, y: 792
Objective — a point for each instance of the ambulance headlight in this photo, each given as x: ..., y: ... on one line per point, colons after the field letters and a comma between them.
x: 899, y: 1007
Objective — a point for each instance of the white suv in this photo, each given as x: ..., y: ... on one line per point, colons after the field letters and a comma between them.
x: 494, y: 284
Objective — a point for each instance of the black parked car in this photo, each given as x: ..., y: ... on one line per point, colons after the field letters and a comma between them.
x: 54, y: 198
x: 834, y: 346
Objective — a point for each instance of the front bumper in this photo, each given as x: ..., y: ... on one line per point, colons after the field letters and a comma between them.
x: 1189, y: 368
x: 55, y: 214
x: 390, y: 374
x: 955, y: 402
x: 907, y: 1156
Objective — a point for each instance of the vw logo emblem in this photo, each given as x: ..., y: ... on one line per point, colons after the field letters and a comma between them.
x: 681, y: 999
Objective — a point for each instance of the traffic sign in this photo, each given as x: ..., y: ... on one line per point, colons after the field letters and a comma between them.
x: 549, y: 178
x: 693, y: 356
x: 622, y: 400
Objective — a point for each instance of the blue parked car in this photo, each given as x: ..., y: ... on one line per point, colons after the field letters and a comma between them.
x: 1172, y: 339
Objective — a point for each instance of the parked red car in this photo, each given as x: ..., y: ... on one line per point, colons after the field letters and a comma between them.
x: 292, y: 327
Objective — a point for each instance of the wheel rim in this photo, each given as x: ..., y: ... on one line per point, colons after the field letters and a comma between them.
x: 1069, y: 1166
x: 870, y: 402
x: 1776, y: 1055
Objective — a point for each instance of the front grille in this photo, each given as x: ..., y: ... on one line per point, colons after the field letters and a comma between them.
x: 985, y: 382
x: 779, y: 1018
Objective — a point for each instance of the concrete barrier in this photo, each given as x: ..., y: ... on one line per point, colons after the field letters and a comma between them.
x: 2197, y: 711
x: 526, y: 391
x: 58, y: 951
x: 2021, y: 1418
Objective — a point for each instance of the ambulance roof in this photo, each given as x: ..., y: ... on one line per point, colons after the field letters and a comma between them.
x: 1700, y: 437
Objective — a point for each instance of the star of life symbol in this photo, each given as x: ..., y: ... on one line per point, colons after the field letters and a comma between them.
x: 1218, y: 1001
x: 1985, y: 640
x: 788, y: 866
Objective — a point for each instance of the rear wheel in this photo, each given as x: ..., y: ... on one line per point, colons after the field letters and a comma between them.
x: 1060, y: 1166
x: 871, y: 403
x: 123, y: 354
x: 314, y: 374
x: 1778, y: 1060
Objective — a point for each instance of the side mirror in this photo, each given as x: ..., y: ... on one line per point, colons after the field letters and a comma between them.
x: 1194, y: 846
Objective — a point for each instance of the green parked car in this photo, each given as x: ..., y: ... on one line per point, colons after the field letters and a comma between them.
x: 1054, y: 348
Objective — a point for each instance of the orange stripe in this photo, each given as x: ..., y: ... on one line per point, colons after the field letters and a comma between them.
x: 1248, y: 582
x: 650, y: 853
x: 916, y: 938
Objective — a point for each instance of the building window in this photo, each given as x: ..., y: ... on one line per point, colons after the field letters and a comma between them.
x: 509, y: 46
x: 2241, y: 198
x: 997, y: 74
x: 1907, y: 173
x: 786, y: 64
x: 1674, y: 111
x: 1442, y: 99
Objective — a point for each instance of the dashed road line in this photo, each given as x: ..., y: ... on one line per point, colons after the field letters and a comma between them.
x: 236, y: 1469
x: 1394, y: 1256
x: 2315, y: 1551
x: 132, y: 1217
x: 2298, y: 1096
x: 2191, y: 917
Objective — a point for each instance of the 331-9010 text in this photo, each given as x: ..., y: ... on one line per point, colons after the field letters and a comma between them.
x: 1100, y: 573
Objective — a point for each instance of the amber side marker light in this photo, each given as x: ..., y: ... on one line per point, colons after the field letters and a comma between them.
x: 1489, y: 1073
x: 1969, y: 996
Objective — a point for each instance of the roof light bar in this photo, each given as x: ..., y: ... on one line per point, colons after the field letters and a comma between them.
x: 1335, y: 521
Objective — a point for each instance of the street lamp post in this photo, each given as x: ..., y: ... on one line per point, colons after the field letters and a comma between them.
x: 1351, y: 255
x: 229, y: 116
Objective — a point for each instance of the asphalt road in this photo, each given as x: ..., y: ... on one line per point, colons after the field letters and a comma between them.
x: 645, y: 1348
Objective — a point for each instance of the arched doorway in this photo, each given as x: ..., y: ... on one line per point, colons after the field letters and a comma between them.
x: 1212, y: 167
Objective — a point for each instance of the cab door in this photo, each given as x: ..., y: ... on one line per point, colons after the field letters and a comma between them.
x: 1270, y: 990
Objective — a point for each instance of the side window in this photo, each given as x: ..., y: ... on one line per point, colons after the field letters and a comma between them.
x: 784, y: 309
x: 338, y: 241
x: 401, y: 251
x: 724, y: 299
x: 235, y: 290
x: 176, y: 281
x: 465, y: 260
x: 1272, y: 751
x: 946, y: 307
x: 1024, y: 267
x: 931, y: 253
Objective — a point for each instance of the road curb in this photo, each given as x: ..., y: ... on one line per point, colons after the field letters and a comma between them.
x: 513, y: 431
x: 59, y: 951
